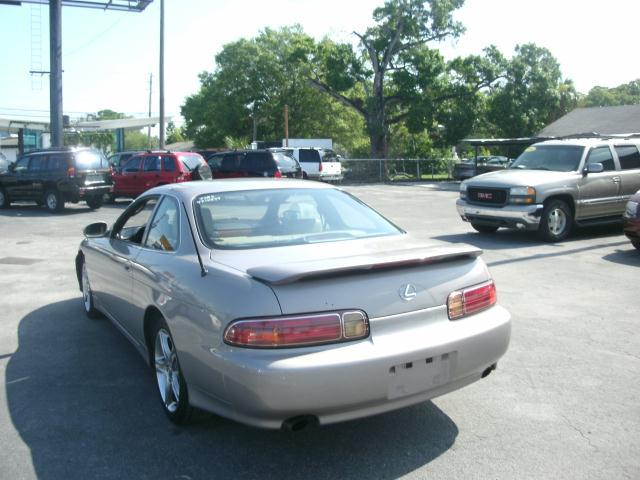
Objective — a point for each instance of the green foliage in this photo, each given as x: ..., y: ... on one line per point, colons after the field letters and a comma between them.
x: 174, y: 134
x: 255, y: 79
x: 532, y: 95
x: 626, y: 94
x: 100, y: 140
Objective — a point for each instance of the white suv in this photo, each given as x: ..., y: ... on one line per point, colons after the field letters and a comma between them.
x: 318, y: 163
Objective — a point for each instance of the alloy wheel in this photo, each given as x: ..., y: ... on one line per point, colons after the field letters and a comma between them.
x: 167, y: 370
x: 557, y: 221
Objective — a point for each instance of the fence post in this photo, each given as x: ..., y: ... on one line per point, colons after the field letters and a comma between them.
x: 418, y: 169
x: 380, y: 165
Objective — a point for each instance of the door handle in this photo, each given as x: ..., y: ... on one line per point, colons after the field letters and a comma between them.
x: 616, y: 179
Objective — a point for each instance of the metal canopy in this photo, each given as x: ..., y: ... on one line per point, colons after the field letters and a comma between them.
x: 122, y: 5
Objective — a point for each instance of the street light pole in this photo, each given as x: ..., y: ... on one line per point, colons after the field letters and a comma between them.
x: 161, y: 75
x: 55, y: 76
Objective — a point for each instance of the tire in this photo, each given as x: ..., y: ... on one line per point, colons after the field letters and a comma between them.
x: 556, y: 222
x: 4, y: 200
x: 87, y: 295
x: 305, y: 176
x: 484, y: 228
x: 636, y: 245
x: 95, y: 202
x: 172, y: 388
x: 53, y: 201
x: 111, y: 198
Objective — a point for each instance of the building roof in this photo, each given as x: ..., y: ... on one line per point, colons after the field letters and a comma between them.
x: 126, y: 123
x: 623, y: 119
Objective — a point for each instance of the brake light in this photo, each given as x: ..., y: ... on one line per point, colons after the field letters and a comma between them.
x: 471, y: 300
x: 298, y: 330
x: 320, y: 167
x: 277, y: 174
x: 71, y: 172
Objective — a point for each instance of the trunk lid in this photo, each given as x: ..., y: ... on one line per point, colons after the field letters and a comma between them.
x: 382, y: 276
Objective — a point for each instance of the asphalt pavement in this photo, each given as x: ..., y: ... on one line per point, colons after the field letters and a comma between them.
x: 79, y: 402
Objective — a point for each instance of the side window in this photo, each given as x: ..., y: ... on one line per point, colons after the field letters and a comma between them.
x: 601, y: 155
x: 152, y: 163
x: 309, y: 155
x: 133, y: 165
x: 628, y: 156
x: 58, y: 161
x: 132, y: 226
x: 164, y: 229
x: 168, y: 163
x: 22, y: 164
x: 38, y: 163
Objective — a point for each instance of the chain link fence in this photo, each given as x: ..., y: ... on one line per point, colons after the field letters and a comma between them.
x: 367, y: 170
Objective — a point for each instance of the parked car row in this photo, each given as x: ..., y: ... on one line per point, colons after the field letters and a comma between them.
x: 467, y: 167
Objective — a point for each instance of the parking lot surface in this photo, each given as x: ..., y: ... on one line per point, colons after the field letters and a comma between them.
x: 79, y: 402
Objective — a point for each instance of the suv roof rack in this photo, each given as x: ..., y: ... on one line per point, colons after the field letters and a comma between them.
x: 608, y: 136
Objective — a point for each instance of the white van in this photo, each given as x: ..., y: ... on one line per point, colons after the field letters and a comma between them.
x: 318, y: 163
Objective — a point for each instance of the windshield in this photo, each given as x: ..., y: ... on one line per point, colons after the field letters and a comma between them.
x: 191, y: 162
x: 277, y: 217
x: 559, y: 158
x: 90, y: 160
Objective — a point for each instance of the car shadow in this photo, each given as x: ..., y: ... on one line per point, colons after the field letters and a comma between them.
x: 625, y: 256
x: 31, y: 210
x: 85, y: 404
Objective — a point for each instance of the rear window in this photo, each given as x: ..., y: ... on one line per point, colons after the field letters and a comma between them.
x: 309, y: 156
x: 329, y: 156
x: 190, y: 162
x: 258, y: 162
x: 90, y: 160
x: 285, y: 161
x: 278, y: 217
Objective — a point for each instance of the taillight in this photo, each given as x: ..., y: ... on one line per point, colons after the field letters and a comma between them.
x: 471, y: 300
x: 277, y: 174
x: 320, y: 167
x: 298, y: 330
x: 71, y: 172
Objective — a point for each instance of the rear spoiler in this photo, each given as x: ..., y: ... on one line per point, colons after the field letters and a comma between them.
x: 281, y: 274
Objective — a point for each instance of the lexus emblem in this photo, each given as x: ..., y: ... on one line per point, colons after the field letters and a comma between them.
x: 408, y: 292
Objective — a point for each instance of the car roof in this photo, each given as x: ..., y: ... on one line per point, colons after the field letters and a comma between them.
x: 189, y: 190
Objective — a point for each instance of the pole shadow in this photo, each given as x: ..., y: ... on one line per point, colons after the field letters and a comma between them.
x: 85, y: 404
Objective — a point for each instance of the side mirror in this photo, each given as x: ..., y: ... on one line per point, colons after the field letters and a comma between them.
x: 95, y: 230
x: 594, y: 168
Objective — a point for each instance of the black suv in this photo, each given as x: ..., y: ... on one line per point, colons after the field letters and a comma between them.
x: 54, y: 176
x: 254, y: 163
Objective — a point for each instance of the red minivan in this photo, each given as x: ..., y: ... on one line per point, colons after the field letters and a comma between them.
x: 150, y: 169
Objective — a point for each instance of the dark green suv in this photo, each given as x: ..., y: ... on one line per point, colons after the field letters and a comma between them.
x: 52, y: 177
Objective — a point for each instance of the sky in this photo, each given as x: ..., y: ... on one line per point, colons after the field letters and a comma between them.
x: 108, y: 57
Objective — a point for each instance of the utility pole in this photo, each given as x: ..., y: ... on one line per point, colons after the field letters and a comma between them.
x: 286, y: 125
x: 55, y: 77
x: 161, y: 75
x: 149, y: 127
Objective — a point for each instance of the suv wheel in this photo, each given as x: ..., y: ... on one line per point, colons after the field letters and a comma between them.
x: 53, y: 201
x: 4, y: 200
x: 556, y: 222
x: 94, y: 202
x: 484, y: 228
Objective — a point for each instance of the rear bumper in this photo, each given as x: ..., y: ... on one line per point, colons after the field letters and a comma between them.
x: 387, y: 371
x: 327, y: 177
x: 525, y: 217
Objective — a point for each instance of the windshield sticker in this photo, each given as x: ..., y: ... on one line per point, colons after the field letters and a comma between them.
x: 530, y: 149
x: 208, y: 199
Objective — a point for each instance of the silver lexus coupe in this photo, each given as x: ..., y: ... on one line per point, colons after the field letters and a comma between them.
x: 287, y: 303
